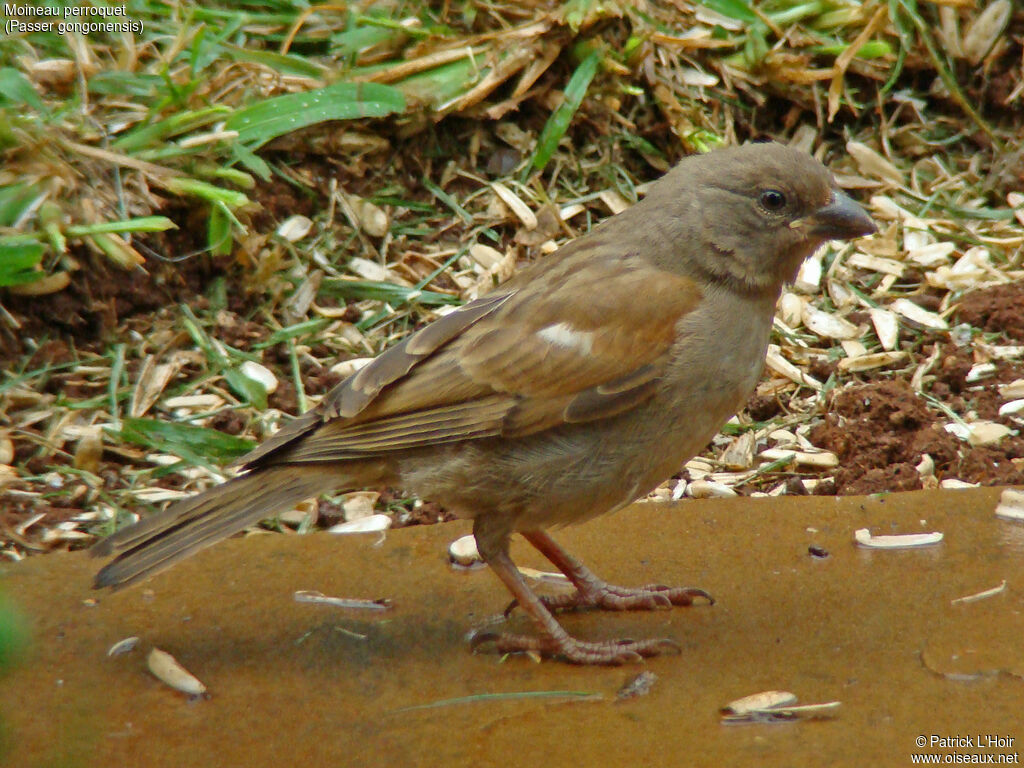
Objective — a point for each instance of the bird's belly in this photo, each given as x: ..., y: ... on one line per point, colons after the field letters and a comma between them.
x: 577, y: 471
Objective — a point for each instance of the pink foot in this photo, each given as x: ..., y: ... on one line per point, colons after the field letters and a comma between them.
x: 609, y: 652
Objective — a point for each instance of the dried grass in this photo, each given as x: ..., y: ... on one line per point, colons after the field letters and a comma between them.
x: 916, y: 107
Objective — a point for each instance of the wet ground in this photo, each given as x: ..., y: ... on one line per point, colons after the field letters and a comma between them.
x: 300, y: 684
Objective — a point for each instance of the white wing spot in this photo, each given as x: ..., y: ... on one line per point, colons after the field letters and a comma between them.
x: 565, y: 336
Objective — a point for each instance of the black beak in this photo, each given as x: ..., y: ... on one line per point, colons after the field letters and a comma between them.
x: 841, y: 219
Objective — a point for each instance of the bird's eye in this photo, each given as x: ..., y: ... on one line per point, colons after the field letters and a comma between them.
x: 772, y: 200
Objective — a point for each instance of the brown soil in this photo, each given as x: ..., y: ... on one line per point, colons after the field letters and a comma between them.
x: 999, y: 309
x: 881, y: 430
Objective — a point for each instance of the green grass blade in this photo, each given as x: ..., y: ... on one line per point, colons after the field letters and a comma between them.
x: 175, y: 125
x: 15, y: 200
x: 17, y: 91
x: 441, y: 84
x: 349, y: 43
x: 251, y: 160
x: 279, y: 62
x: 873, y: 49
x: 734, y: 9
x: 903, y: 31
x: 50, y: 220
x: 18, y: 261
x: 141, y: 224
x: 509, y: 696
x: 218, y: 231
x: 113, y: 384
x: 558, y: 123
x: 395, y: 295
x: 185, y: 440
x: 448, y: 200
x: 251, y: 391
x: 291, y: 332
x: 139, y: 85
x: 944, y: 69
x: 259, y: 123
x: 184, y: 186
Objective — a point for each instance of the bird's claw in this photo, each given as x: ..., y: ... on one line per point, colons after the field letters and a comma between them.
x: 609, y: 653
x: 609, y: 597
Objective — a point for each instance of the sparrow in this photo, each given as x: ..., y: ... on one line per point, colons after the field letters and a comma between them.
x: 569, y: 391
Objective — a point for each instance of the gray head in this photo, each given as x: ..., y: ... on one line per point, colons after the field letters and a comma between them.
x: 757, y: 211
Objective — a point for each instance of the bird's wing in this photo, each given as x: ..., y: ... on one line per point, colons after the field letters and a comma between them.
x: 579, y: 343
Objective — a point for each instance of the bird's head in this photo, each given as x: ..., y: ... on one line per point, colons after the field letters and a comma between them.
x: 762, y: 209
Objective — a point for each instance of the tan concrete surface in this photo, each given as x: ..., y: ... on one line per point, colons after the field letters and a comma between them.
x: 294, y: 684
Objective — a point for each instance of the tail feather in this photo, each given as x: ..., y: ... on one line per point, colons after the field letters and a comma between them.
x: 200, y: 521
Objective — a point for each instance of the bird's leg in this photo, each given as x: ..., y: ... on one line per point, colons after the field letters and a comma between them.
x: 492, y: 535
x: 592, y: 592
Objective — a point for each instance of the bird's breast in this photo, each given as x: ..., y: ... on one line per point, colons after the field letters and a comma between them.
x: 715, y: 366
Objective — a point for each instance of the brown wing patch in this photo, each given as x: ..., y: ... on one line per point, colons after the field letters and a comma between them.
x: 356, y: 392
x: 359, y: 390
x: 600, y: 402
x: 624, y: 317
x: 577, y: 345
x: 615, y: 397
x: 338, y: 439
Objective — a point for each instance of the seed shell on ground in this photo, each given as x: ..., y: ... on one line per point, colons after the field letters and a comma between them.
x: 864, y: 538
x: 169, y: 671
